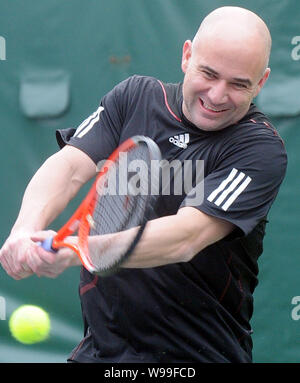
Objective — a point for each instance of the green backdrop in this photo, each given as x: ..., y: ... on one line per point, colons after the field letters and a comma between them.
x: 61, y: 57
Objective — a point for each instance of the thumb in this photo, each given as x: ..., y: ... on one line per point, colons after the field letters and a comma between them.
x: 40, y: 236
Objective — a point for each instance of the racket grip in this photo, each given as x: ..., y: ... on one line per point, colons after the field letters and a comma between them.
x: 47, y: 245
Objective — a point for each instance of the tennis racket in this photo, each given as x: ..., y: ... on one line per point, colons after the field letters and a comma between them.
x: 120, y: 198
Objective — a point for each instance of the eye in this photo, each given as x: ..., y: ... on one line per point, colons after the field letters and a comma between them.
x: 208, y: 75
x: 240, y: 85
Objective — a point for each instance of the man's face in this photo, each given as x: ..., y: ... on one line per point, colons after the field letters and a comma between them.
x: 220, y: 82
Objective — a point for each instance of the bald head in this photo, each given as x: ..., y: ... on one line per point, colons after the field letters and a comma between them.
x: 239, y: 26
x: 225, y: 67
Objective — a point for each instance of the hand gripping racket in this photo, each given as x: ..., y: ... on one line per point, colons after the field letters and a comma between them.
x: 119, y: 199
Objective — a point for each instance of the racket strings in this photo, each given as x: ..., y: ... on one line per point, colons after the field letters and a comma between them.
x: 123, y: 195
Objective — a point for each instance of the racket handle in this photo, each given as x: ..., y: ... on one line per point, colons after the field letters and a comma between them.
x: 47, y: 245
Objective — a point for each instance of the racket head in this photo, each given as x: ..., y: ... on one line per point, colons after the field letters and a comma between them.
x: 120, y: 199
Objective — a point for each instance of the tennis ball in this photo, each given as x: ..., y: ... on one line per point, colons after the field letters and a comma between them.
x: 29, y: 324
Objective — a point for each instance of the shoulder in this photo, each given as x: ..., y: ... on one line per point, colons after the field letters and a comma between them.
x: 253, y: 142
x: 138, y: 82
x: 254, y: 130
x: 149, y: 85
x: 256, y: 123
x: 135, y: 90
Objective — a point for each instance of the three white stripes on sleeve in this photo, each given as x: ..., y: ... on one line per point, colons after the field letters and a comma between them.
x: 230, y: 185
x: 88, y: 123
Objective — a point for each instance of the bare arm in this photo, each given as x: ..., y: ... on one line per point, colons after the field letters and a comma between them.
x: 177, y: 238
x: 171, y: 239
x: 47, y: 194
x: 52, y: 187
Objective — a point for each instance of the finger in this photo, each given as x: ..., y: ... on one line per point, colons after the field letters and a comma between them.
x: 21, y: 270
x: 7, y: 262
x: 15, y: 274
x: 13, y: 260
x: 43, y: 263
x: 48, y: 257
x: 42, y: 235
x: 34, y: 261
x: 6, y: 265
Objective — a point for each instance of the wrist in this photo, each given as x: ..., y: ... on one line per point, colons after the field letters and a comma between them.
x: 20, y: 232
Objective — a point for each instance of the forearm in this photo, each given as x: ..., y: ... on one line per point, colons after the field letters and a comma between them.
x: 52, y: 187
x: 44, y: 198
x: 164, y: 241
x: 153, y: 249
x: 177, y: 238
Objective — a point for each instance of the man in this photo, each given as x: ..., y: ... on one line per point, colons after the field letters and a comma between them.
x: 185, y: 294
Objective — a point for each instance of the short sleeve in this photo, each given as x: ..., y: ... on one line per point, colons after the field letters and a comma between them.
x: 99, y: 134
x: 242, y: 188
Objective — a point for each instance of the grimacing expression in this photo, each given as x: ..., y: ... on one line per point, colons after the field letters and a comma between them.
x: 220, y: 82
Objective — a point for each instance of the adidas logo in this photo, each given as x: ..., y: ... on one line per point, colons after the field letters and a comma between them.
x: 181, y: 140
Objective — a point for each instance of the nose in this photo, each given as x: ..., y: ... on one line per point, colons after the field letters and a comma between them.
x: 218, y: 94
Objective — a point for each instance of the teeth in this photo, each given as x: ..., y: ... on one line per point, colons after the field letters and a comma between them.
x: 210, y: 108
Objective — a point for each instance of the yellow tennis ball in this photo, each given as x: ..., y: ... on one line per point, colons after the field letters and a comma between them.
x: 29, y: 324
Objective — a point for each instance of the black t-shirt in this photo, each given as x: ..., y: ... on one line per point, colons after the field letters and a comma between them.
x: 198, y: 311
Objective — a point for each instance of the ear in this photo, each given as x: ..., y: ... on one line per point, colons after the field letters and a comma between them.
x: 262, y: 81
x: 186, y: 55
